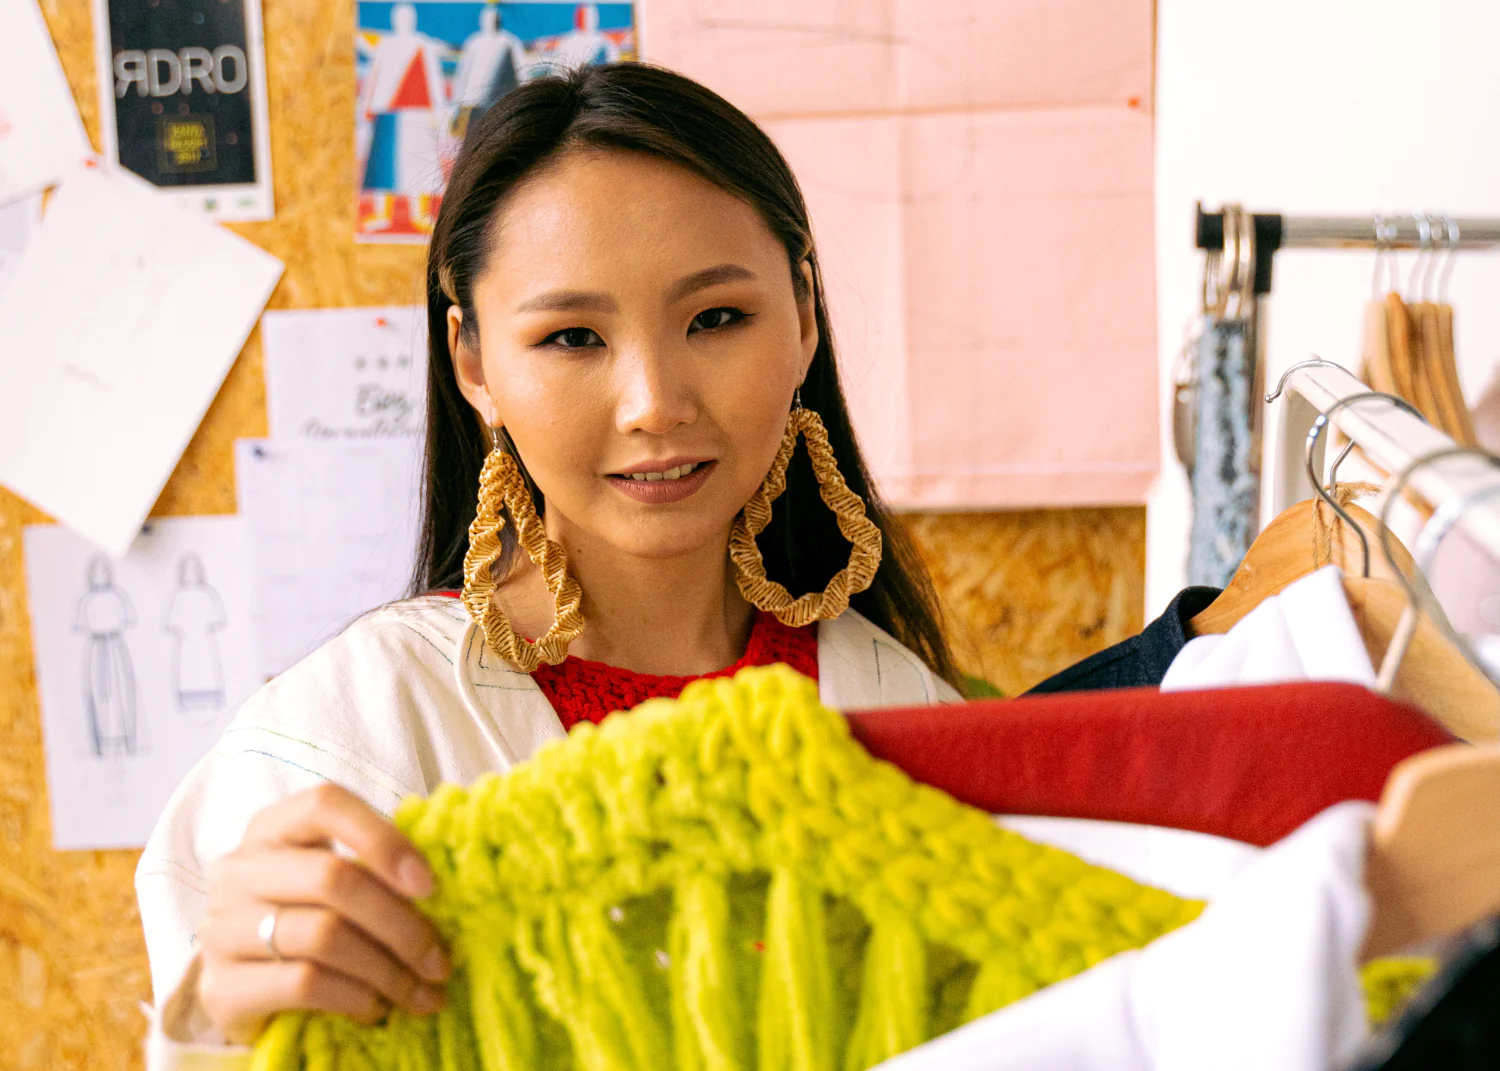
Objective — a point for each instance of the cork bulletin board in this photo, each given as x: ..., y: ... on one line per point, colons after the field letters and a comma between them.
x: 1027, y: 592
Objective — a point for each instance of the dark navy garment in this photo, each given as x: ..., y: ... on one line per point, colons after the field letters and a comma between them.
x: 1142, y: 660
x: 1450, y: 1023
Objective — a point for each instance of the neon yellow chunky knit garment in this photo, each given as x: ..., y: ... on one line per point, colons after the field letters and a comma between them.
x: 725, y: 881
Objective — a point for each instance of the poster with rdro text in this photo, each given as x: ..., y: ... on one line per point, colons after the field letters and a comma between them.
x: 182, y: 94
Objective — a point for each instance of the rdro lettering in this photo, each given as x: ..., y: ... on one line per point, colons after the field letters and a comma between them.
x: 160, y: 72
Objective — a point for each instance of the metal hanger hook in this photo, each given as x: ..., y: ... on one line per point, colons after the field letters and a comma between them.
x: 1424, y: 250
x: 1313, y: 362
x: 1450, y: 228
x: 1315, y: 432
x: 1418, y: 591
x: 1385, y: 236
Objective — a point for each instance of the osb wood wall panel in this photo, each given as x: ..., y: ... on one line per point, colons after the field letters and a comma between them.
x: 1028, y: 593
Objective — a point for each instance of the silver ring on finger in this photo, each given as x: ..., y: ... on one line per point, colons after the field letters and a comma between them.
x: 267, y: 932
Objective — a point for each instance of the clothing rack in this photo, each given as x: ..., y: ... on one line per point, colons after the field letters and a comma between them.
x: 1409, y: 230
x: 1392, y: 439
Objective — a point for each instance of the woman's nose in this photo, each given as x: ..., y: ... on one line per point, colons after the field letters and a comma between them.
x: 654, y: 396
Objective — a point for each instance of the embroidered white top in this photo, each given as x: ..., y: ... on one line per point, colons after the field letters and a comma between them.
x: 406, y: 698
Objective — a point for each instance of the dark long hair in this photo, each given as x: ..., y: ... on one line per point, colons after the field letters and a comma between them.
x: 639, y: 108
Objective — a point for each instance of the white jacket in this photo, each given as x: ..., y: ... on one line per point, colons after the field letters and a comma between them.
x: 406, y: 698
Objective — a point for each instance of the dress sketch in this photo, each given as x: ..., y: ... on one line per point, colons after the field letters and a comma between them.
x: 195, y: 617
x: 109, y: 696
x: 403, y: 97
x: 585, y: 44
x: 491, y: 63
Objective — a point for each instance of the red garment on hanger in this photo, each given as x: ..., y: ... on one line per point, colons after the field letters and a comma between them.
x: 1252, y: 764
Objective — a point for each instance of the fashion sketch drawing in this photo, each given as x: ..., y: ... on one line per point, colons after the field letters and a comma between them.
x: 195, y: 617
x: 109, y: 694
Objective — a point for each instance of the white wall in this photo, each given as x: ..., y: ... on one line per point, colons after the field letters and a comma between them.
x: 1331, y: 107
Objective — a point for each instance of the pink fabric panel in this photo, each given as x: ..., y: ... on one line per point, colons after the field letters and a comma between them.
x: 979, y: 176
x: 1031, y: 308
x: 850, y: 172
x: 813, y: 57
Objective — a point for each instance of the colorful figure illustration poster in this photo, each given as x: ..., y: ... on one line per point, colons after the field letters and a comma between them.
x: 427, y: 70
x: 140, y: 662
x: 182, y: 94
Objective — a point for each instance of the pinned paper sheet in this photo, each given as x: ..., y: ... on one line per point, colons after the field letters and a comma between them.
x: 182, y: 101
x: 129, y: 312
x: 979, y: 177
x: 140, y: 663
x: 18, y: 221
x: 41, y: 136
x: 332, y: 532
x: 346, y: 373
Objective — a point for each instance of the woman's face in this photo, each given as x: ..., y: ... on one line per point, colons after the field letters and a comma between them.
x: 640, y: 340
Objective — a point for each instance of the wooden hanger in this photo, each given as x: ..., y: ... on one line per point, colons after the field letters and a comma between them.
x: 1377, y: 349
x: 1399, y: 330
x: 1433, y: 674
x: 1426, y: 362
x: 1433, y: 866
x: 1458, y: 422
x: 1290, y: 548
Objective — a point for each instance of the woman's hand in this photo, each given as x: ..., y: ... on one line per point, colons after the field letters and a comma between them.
x: 346, y: 937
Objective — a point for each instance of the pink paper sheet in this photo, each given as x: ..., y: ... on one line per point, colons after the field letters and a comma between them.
x: 811, y: 57
x: 979, y: 174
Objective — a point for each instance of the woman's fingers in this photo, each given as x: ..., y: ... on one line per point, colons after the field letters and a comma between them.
x: 321, y: 936
x: 317, y: 878
x: 240, y: 998
x: 328, y: 813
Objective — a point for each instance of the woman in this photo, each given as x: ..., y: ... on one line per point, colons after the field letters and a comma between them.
x: 627, y: 333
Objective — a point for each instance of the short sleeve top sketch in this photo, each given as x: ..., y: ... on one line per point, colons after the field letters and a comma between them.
x: 104, y: 608
x: 194, y: 617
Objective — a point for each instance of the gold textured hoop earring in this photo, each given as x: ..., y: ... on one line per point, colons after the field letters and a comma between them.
x: 766, y: 594
x: 501, y: 485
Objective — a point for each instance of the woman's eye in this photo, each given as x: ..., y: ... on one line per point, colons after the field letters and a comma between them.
x: 573, y: 338
x: 708, y: 319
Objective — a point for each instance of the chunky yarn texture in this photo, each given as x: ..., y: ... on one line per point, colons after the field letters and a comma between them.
x: 725, y: 881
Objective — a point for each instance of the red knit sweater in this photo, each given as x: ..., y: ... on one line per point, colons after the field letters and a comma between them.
x: 588, y: 691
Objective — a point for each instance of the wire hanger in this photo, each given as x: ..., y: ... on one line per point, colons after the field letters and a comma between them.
x: 1280, y: 555
x: 1428, y: 541
x: 1328, y: 496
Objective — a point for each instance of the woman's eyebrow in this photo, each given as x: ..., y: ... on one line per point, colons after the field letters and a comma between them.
x: 702, y: 280
x: 593, y: 301
x: 569, y: 301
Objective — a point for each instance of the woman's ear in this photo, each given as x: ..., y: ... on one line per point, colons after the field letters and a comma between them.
x: 807, y: 314
x: 468, y: 369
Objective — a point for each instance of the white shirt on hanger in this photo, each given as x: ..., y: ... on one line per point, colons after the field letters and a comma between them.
x: 1306, y: 632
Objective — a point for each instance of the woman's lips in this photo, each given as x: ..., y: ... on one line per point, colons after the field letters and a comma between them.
x: 660, y: 492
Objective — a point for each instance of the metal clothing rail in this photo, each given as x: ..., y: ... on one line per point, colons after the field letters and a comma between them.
x: 1409, y: 230
x: 1392, y: 439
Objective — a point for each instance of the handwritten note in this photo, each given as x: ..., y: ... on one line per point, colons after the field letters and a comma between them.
x: 346, y: 373
x: 130, y: 312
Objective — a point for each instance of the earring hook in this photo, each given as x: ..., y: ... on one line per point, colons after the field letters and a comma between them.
x: 1315, y: 432
x: 1418, y: 591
